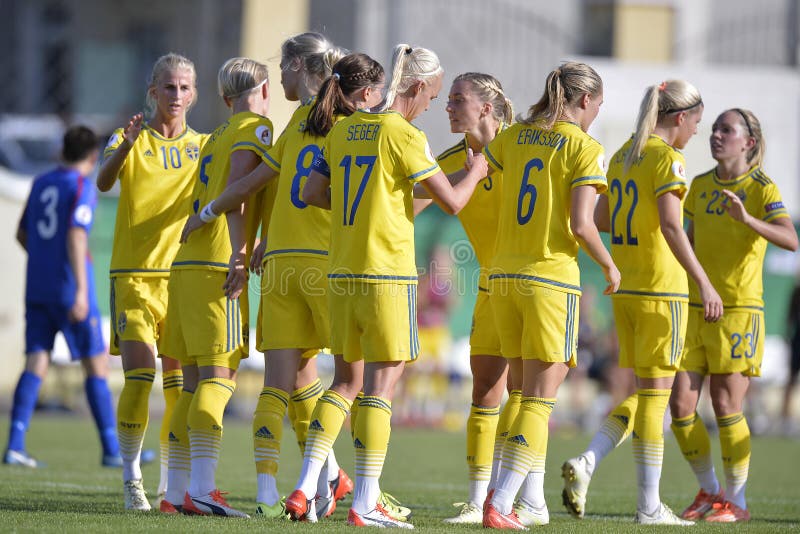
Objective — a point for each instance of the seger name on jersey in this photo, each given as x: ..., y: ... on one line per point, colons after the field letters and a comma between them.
x: 362, y: 132
x: 535, y: 136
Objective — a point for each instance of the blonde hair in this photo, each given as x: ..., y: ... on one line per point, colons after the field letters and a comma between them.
x: 564, y: 85
x: 168, y: 63
x: 409, y: 65
x: 671, y: 96
x: 240, y: 75
x: 488, y: 89
x: 317, y: 56
x: 755, y: 156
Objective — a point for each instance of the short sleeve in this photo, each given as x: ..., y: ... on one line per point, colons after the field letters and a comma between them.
x: 772, y: 204
x: 273, y: 157
x: 417, y: 159
x: 590, y: 168
x: 114, y: 141
x: 256, y: 137
x: 670, y: 175
x: 82, y: 214
x: 494, y: 152
x: 689, y: 204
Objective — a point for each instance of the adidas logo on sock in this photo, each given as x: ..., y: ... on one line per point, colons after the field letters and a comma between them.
x: 172, y: 437
x: 358, y: 445
x: 315, y: 425
x: 264, y: 433
x: 519, y: 439
x: 623, y: 418
x: 149, y: 153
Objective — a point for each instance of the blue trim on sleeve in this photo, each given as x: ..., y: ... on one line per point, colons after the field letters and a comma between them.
x: 426, y: 171
x: 669, y: 186
x: 243, y: 145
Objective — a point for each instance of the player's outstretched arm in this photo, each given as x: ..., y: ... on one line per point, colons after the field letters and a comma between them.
x: 780, y: 232
x: 453, y: 198
x: 669, y: 213
x: 581, y: 222
x: 109, y: 170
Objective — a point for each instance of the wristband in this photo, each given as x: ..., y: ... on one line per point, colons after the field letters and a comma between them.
x: 207, y: 214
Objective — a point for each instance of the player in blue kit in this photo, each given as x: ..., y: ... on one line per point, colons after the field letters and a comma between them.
x: 59, y: 293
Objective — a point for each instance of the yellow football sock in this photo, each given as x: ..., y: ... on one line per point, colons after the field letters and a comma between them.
x: 734, y: 441
x: 132, y: 417
x: 179, y: 455
x: 268, y: 429
x: 354, y: 413
x: 695, y: 444
x: 619, y: 423
x: 373, y: 428
x: 648, y: 445
x: 302, y: 403
x: 504, y: 422
x: 481, y: 430
x: 205, y: 431
x: 173, y: 383
x: 525, y: 448
x: 326, y: 423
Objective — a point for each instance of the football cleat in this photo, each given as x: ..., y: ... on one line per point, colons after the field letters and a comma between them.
x: 393, y: 507
x: 135, y: 496
x: 166, y: 507
x: 469, y: 514
x: 576, y: 484
x: 494, y: 519
x: 703, y: 502
x: 662, y: 516
x: 341, y: 485
x: 530, y: 516
x: 210, y: 504
x: 324, y: 506
x: 377, y: 517
x: 727, y: 512
x: 276, y: 511
x: 299, y: 506
x: 22, y: 458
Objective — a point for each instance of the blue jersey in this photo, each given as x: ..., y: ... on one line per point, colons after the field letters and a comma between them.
x: 59, y: 200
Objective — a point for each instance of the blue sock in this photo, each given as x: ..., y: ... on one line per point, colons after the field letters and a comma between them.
x: 99, y: 397
x: 24, y: 403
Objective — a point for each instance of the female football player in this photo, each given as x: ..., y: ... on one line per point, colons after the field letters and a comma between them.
x: 155, y: 162
x: 737, y: 204
x: 552, y: 172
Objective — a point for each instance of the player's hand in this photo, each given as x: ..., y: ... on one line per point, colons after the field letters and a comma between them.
x: 613, y: 277
x: 258, y: 257
x: 133, y: 129
x: 237, y: 276
x: 192, y: 223
x: 733, y: 205
x: 712, y: 303
x: 80, y: 308
x: 476, y: 163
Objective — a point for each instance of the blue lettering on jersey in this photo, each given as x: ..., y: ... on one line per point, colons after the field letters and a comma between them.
x: 774, y: 206
x: 535, y: 136
x: 363, y: 132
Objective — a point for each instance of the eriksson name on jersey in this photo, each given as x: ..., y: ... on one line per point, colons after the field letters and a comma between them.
x: 535, y: 136
x: 362, y: 132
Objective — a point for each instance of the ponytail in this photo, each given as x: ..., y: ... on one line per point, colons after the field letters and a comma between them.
x: 671, y: 96
x: 564, y: 85
x: 410, y: 64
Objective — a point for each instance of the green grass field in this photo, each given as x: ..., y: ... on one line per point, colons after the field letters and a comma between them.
x: 425, y: 470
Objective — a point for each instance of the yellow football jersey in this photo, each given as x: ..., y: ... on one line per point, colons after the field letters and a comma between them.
x: 209, y: 247
x: 540, y: 168
x: 373, y: 161
x: 735, y: 268
x: 479, y: 217
x: 648, y: 267
x: 296, y: 229
x: 155, y: 190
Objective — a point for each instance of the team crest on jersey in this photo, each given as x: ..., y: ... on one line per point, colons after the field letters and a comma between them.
x: 264, y: 134
x: 678, y: 170
x: 122, y: 322
x: 192, y: 151
x: 83, y: 214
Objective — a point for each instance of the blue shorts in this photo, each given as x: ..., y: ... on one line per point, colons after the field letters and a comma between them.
x: 44, y: 321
